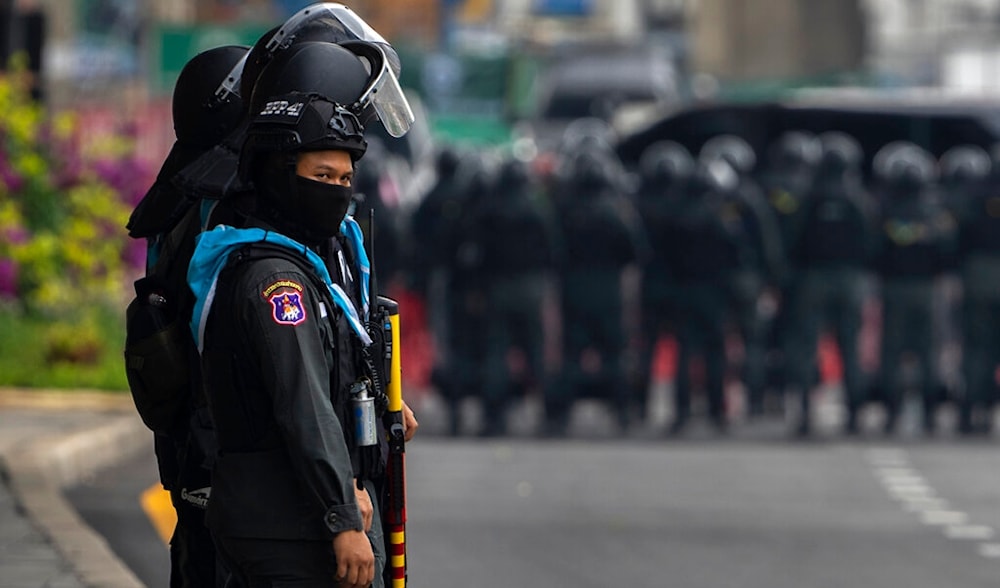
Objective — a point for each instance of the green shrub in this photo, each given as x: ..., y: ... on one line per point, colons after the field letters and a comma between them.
x: 37, y: 353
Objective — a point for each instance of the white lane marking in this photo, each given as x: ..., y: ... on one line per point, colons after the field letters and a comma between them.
x: 916, y: 504
x: 944, y: 517
x: 906, y: 485
x: 888, y: 458
x: 911, y: 491
x: 990, y: 550
x: 969, y: 532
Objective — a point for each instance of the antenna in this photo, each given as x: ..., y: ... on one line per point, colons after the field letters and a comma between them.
x: 372, y: 286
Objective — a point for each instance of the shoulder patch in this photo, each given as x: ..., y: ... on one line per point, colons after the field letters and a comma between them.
x: 285, y: 297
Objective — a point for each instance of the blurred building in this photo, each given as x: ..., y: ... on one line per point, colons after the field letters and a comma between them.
x: 755, y: 39
x: 128, y: 51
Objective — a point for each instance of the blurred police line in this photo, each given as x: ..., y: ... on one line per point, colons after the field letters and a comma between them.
x: 747, y: 254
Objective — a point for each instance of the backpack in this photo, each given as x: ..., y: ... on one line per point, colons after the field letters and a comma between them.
x: 160, y: 358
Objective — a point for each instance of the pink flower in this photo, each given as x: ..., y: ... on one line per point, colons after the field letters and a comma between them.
x: 8, y: 278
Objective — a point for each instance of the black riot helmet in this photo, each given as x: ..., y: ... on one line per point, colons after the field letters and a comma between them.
x: 712, y: 178
x: 199, y: 119
x: 840, y: 154
x: 664, y: 163
x: 732, y: 149
x: 963, y: 164
x: 587, y: 133
x: 306, y: 99
x: 331, y: 22
x: 904, y: 167
x: 353, y: 74
x: 446, y: 162
x: 794, y: 150
x: 593, y: 170
x: 514, y: 178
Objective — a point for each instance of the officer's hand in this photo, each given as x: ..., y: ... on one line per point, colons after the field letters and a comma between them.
x: 365, y: 506
x: 355, y: 560
x: 410, y: 423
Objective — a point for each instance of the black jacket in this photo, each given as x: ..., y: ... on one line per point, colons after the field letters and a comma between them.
x: 278, y: 359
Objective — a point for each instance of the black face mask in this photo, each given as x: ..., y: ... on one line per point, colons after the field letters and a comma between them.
x: 321, y: 206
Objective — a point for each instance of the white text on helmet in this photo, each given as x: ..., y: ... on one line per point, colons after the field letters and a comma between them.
x: 282, y: 107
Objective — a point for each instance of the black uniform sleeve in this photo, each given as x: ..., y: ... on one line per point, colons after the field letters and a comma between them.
x: 286, y: 324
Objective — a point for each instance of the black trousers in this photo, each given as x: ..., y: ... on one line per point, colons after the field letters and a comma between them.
x: 268, y: 563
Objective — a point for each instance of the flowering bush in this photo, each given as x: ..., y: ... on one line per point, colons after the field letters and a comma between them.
x: 65, y: 197
x: 63, y: 206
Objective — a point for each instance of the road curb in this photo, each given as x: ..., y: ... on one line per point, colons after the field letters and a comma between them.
x: 38, y: 471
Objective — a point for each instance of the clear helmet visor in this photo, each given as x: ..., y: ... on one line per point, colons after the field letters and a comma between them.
x: 353, y: 27
x: 344, y: 21
x: 384, y: 93
x: 390, y: 103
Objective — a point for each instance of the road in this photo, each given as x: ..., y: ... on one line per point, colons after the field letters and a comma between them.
x: 754, y: 509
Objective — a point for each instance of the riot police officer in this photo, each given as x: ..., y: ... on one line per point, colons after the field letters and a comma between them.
x: 377, y: 199
x: 518, y: 241
x: 458, y: 371
x: 786, y: 180
x: 917, y: 239
x: 704, y: 250
x: 427, y: 226
x: 831, y: 247
x: 971, y: 178
x: 601, y: 237
x: 665, y: 168
x: 169, y: 220
x: 282, y: 338
x: 759, y: 264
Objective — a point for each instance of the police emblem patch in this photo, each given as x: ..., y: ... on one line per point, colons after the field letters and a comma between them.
x: 287, y: 308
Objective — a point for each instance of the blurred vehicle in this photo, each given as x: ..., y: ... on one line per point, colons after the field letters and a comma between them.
x: 627, y: 87
x: 932, y: 121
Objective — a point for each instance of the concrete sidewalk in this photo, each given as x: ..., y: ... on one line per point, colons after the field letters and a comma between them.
x: 49, y: 441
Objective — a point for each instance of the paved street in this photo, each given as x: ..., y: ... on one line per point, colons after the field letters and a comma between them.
x: 755, y: 509
x: 703, y: 514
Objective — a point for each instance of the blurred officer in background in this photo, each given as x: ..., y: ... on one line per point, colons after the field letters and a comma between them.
x: 974, y: 181
x: 703, y: 251
x: 665, y: 169
x: 376, y: 195
x: 786, y: 181
x: 428, y: 256
x: 518, y: 240
x: 459, y: 369
x: 601, y: 236
x: 918, y: 235
x: 428, y: 224
x: 759, y: 245
x: 830, y: 247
